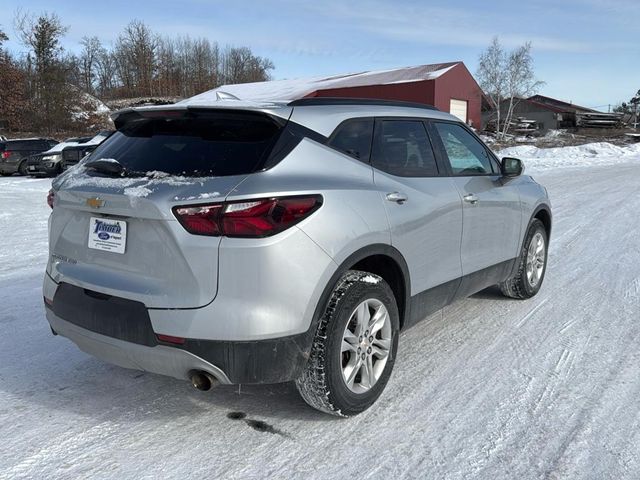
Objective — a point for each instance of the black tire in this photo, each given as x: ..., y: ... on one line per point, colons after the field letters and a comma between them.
x: 22, y: 168
x: 322, y: 384
x: 519, y: 286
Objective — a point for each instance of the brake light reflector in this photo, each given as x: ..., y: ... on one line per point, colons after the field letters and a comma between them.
x: 6, y: 154
x: 247, y: 219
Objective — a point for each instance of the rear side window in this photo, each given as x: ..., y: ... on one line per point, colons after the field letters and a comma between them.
x: 403, y: 149
x: 354, y: 137
x: 466, y: 155
x: 202, y: 146
x: 19, y: 146
x: 2, y: 146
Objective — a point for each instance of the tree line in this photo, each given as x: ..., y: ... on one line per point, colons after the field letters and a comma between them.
x: 44, y: 88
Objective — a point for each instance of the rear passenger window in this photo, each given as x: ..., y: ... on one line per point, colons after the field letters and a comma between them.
x: 354, y: 138
x: 403, y: 149
x: 466, y: 155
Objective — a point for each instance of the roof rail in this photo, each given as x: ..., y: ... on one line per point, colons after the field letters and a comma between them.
x: 318, y: 101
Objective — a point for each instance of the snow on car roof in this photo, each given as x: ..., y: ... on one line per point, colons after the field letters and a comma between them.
x: 60, y: 146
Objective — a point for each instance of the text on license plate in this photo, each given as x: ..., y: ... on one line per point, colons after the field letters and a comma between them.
x: 107, y: 234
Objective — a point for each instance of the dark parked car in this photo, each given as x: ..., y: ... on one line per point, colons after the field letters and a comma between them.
x: 49, y: 163
x: 14, y: 153
x: 73, y: 154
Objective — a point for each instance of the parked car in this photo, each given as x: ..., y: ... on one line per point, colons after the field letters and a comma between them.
x: 73, y: 154
x: 282, y: 243
x: 49, y: 163
x: 14, y: 153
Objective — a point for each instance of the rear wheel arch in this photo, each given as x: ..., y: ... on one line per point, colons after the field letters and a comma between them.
x: 22, y: 167
x: 379, y: 259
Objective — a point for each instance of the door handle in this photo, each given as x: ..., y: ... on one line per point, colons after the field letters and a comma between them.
x: 470, y: 198
x: 397, y: 197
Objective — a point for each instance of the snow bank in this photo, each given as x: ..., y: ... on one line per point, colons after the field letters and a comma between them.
x: 599, y: 153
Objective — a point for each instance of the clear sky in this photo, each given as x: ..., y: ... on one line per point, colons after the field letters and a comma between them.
x: 587, y: 51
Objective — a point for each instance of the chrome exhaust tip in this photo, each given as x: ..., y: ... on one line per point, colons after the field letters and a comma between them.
x: 202, y: 380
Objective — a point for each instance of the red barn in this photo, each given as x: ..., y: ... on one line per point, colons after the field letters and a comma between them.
x: 447, y: 86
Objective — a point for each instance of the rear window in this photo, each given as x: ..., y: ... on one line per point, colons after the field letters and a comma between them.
x: 27, y: 145
x: 208, y: 146
x: 18, y: 145
x: 2, y: 146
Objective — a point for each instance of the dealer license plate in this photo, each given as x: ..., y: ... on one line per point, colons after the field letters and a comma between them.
x: 107, y: 234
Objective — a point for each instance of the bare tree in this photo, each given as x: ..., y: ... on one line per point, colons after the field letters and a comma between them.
x: 240, y: 65
x: 491, y: 75
x: 634, y: 104
x: 135, y: 58
x: 88, y: 62
x: 506, y: 78
x: 105, y: 72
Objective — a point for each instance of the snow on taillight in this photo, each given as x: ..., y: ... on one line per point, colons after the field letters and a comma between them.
x: 199, y: 219
x: 51, y: 196
x: 247, y: 219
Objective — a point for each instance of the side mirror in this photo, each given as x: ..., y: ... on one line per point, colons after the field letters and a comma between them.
x: 512, y: 167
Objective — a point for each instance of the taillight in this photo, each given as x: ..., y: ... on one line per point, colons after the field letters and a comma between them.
x: 51, y: 196
x: 6, y: 155
x: 247, y: 219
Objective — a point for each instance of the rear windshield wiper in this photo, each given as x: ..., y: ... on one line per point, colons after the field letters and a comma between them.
x: 110, y: 166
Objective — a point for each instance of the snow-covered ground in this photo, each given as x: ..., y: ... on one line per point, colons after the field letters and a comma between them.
x: 488, y: 388
x: 598, y: 153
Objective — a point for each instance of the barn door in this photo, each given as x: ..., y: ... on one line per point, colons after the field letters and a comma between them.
x: 458, y: 108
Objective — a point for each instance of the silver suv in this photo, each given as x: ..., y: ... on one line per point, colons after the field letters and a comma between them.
x: 240, y: 243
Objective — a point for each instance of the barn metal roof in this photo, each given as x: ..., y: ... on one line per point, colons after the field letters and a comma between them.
x: 288, y: 90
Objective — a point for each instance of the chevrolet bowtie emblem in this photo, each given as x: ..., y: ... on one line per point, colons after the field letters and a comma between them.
x: 95, y: 202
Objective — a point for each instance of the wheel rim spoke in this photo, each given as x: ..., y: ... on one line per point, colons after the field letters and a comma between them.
x: 353, y: 372
x: 380, y: 353
x: 382, y: 343
x: 377, y: 320
x: 348, y: 347
x: 362, y: 317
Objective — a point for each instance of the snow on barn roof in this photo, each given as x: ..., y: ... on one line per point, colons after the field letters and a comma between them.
x: 287, y: 90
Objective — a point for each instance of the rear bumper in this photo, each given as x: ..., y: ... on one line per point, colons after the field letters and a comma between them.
x: 8, y: 167
x: 119, y: 331
x: 40, y: 169
x: 159, y: 359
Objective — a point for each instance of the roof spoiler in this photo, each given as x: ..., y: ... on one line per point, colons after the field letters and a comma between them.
x: 122, y: 117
